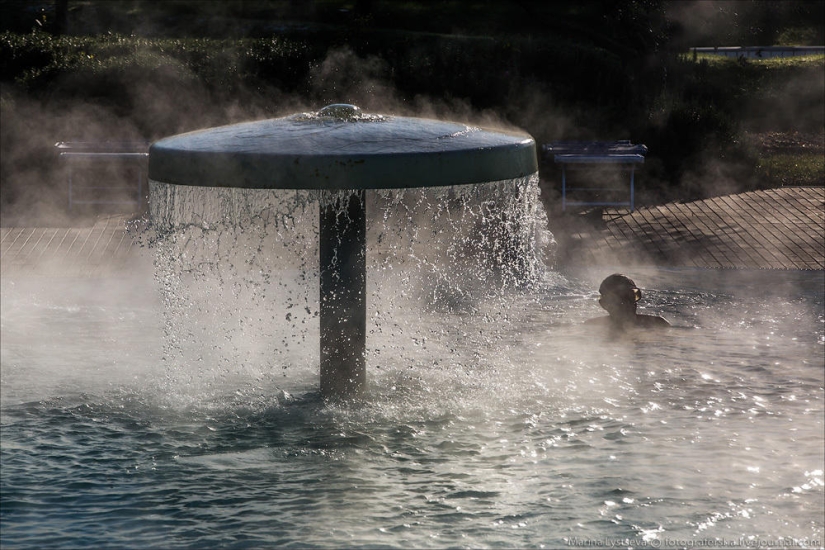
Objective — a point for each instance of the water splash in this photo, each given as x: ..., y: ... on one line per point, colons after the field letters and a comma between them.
x: 340, y: 112
x: 238, y: 270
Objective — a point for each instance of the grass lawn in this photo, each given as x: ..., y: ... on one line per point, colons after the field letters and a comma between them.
x: 790, y: 158
x: 786, y: 169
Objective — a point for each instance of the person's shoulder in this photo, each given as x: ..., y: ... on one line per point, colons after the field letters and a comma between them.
x: 651, y: 321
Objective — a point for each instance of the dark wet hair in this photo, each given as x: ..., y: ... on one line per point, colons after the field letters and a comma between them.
x: 621, y: 286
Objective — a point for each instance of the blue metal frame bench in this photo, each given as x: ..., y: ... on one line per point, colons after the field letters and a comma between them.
x: 76, y: 153
x: 620, y: 152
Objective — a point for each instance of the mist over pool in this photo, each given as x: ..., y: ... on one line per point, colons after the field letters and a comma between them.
x: 136, y: 413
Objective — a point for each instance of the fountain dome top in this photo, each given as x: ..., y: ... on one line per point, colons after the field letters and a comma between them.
x: 340, y: 147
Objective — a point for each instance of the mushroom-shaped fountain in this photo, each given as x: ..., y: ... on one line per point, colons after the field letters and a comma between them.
x: 343, y: 151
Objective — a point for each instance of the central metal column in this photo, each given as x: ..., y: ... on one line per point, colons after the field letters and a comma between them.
x: 343, y: 295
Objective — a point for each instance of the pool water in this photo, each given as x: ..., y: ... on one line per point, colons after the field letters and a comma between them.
x: 481, y: 429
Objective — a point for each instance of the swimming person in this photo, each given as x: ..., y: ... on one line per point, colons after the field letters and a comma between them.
x: 619, y: 295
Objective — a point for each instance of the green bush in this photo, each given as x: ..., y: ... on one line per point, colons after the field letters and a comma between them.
x: 35, y: 61
x: 20, y: 53
x: 481, y: 70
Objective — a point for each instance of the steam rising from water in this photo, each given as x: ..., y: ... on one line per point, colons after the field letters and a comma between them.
x: 495, y: 417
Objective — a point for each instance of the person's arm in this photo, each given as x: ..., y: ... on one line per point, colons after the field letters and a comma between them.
x: 652, y: 321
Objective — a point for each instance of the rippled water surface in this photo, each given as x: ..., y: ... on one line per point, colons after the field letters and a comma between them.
x: 177, y: 406
x: 532, y: 433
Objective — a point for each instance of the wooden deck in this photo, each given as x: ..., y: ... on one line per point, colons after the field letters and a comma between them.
x: 770, y: 229
x: 99, y: 249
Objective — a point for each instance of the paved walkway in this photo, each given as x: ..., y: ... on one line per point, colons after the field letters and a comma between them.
x: 769, y: 229
x: 772, y: 229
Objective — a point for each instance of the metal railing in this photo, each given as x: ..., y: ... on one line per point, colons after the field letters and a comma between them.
x: 79, y: 154
x: 620, y: 152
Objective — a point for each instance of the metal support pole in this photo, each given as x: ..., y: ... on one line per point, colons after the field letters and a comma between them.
x: 71, y: 174
x: 343, y: 295
x: 563, y: 188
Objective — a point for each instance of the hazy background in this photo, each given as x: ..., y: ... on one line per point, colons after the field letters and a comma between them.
x: 137, y: 70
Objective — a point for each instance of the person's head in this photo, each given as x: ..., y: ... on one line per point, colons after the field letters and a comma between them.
x: 619, y: 295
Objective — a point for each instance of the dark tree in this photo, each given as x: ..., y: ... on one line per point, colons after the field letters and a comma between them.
x: 61, y: 16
